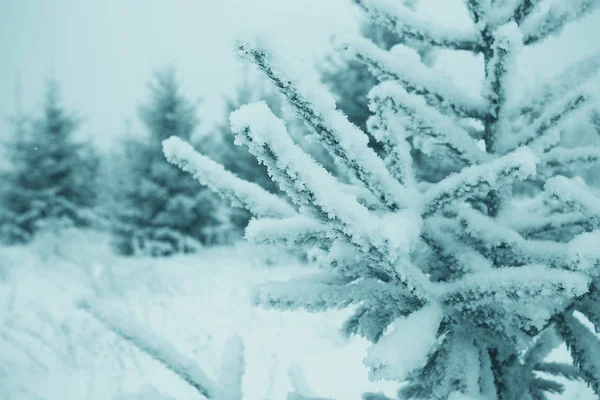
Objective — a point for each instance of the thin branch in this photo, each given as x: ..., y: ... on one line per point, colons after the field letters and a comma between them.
x: 155, y: 347
x: 238, y: 191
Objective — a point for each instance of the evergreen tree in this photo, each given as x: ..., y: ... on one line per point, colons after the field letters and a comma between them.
x: 51, y: 177
x: 463, y: 284
x: 160, y: 211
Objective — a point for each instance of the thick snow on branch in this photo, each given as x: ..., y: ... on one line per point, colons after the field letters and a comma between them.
x: 406, y: 348
x: 563, y: 159
x: 584, y: 250
x: 338, y: 135
x: 554, y: 114
x: 561, y: 85
x: 428, y: 118
x: 312, y: 186
x: 458, y: 256
x: 500, y: 87
x: 530, y: 224
x: 409, y: 24
x: 237, y: 191
x: 324, y: 291
x: 295, y: 232
x: 506, y: 247
x: 480, y: 179
x: 389, y: 128
x: 552, y: 21
x: 155, y: 347
x: 532, y: 292
x: 405, y: 67
x: 573, y: 195
x: 584, y: 346
x: 513, y: 283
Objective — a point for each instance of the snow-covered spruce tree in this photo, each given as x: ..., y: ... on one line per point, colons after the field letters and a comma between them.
x: 159, y: 209
x: 51, y: 178
x: 464, y: 284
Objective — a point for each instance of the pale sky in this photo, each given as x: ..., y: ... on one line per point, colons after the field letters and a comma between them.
x: 104, y: 52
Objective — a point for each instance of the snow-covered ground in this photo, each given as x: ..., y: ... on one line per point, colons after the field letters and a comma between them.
x: 50, y: 349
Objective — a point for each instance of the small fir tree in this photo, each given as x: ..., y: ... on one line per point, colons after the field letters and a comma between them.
x: 159, y: 210
x: 461, y: 284
x: 465, y: 285
x: 51, y: 177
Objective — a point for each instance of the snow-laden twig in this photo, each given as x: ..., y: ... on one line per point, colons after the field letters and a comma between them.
x: 237, y: 191
x: 404, y: 21
x: 480, y: 179
x: 343, y: 139
x: 155, y: 347
x: 404, y: 66
x: 555, y: 18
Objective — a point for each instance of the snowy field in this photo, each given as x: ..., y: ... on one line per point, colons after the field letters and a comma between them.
x: 52, y: 350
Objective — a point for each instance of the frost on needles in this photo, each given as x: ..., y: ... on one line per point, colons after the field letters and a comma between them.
x: 466, y: 283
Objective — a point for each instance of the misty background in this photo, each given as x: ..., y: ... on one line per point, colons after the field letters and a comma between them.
x: 103, y: 53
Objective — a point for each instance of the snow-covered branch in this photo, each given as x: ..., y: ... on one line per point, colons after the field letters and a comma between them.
x: 456, y: 255
x: 500, y: 87
x: 323, y: 291
x: 562, y: 159
x: 533, y: 293
x: 524, y: 9
x: 479, y: 180
x: 584, y: 347
x: 294, y: 232
x: 487, y: 16
x: 552, y: 21
x: 429, y: 120
x: 156, y: 348
x: 549, y: 120
x: 342, y: 139
x: 559, y: 86
x: 233, y: 189
x: 386, y: 126
x: 409, y: 24
x: 506, y: 247
x: 405, y: 67
x: 313, y: 189
x: 574, y: 195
